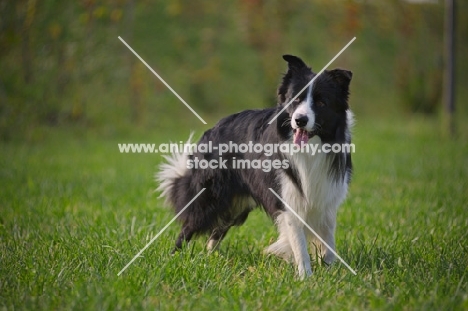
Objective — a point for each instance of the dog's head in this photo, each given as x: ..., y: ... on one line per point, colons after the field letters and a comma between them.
x: 321, y: 109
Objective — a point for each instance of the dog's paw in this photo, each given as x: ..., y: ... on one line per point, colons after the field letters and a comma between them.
x: 329, y: 258
x: 304, y: 272
x: 213, y: 245
x: 280, y: 249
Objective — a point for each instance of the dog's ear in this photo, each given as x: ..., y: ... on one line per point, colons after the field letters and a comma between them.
x: 296, y: 68
x: 343, y: 77
x: 294, y: 62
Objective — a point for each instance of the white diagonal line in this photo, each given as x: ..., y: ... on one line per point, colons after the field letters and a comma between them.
x: 159, y: 233
x: 312, y: 81
x: 313, y: 231
x: 162, y: 80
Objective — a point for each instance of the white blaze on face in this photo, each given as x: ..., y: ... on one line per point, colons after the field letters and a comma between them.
x: 304, y: 109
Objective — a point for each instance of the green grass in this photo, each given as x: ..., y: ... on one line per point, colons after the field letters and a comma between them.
x: 74, y: 211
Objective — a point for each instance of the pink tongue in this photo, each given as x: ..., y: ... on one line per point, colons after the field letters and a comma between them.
x: 300, y: 136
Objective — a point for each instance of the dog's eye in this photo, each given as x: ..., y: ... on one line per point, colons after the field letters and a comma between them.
x: 320, y: 104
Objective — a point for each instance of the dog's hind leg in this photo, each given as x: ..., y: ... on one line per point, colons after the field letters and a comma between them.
x: 185, y: 236
x: 216, y: 237
x: 219, y: 233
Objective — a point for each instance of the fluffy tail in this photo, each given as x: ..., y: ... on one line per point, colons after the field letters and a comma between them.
x: 174, y: 168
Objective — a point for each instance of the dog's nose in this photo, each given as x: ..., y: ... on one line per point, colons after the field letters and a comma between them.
x: 301, y: 121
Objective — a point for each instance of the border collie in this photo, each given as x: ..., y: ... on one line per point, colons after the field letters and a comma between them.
x: 313, y: 185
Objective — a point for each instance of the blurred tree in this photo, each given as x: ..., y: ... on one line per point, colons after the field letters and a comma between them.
x: 136, y: 68
x: 60, y: 61
x: 199, y: 29
x: 265, y: 24
x: 419, y: 68
x: 353, y: 18
x: 28, y: 18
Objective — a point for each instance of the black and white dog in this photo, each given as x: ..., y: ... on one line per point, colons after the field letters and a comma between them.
x: 313, y: 185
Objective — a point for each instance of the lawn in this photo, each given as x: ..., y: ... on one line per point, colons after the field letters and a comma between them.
x: 74, y: 212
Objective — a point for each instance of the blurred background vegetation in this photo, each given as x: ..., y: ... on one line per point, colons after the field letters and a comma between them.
x: 62, y: 65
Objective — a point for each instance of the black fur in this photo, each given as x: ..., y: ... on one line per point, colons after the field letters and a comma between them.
x: 215, y: 210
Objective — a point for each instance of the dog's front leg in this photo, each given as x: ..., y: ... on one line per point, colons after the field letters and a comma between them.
x: 328, y: 235
x: 298, y: 243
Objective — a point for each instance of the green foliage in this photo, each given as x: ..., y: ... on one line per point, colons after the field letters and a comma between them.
x: 63, y: 64
x: 419, y: 65
x: 75, y: 211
